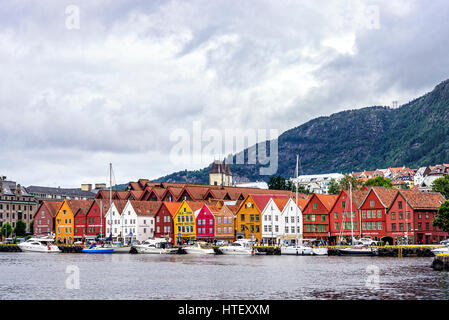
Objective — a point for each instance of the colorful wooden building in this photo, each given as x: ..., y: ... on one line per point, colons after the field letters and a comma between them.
x: 185, y: 221
x: 44, y: 218
x: 316, y: 216
x: 65, y: 219
x: 410, y: 217
x: 164, y: 226
x: 373, y: 210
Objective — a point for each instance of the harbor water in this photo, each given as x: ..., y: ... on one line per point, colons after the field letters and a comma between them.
x: 139, y: 276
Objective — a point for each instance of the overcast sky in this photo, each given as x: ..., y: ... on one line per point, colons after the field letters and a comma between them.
x: 113, y: 90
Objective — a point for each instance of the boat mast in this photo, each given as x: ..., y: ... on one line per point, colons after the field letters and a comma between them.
x: 296, y: 204
x: 350, y: 206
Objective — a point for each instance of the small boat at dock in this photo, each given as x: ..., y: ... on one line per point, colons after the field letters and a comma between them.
x: 239, y: 247
x: 198, y: 248
x: 155, y: 246
x: 358, y: 250
x: 39, y: 245
x: 98, y: 249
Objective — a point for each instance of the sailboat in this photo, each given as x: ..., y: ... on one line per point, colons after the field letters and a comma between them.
x: 297, y: 248
x: 356, y: 249
x: 103, y: 248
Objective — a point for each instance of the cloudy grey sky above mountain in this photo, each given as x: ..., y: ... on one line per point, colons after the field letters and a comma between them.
x: 113, y: 90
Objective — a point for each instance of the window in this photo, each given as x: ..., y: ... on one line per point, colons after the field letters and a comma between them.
x: 368, y: 214
x: 158, y: 229
x: 251, y: 217
x: 336, y: 215
x: 158, y: 219
x: 407, y: 214
x: 371, y: 203
x: 419, y: 215
x: 270, y: 229
x: 379, y: 214
x: 336, y: 225
x: 276, y: 228
x: 286, y: 229
x: 211, y: 221
x: 363, y: 213
x: 393, y: 216
x: 257, y: 217
x: 276, y: 218
x: 265, y: 218
x: 401, y: 215
x: 419, y: 226
x: 427, y: 226
x: 323, y: 218
x: 315, y: 205
x: 364, y: 225
x: 242, y: 217
x: 292, y: 219
x: 400, y: 204
x: 308, y: 227
x: 257, y: 229
x: 393, y: 227
x: 401, y: 227
x: 427, y: 215
x: 218, y: 230
x: 379, y: 225
x: 265, y: 228
x: 313, y: 217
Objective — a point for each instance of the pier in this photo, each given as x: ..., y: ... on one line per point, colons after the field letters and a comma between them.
x: 394, y: 251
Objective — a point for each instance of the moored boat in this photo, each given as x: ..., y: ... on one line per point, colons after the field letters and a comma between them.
x: 239, y: 247
x: 298, y: 250
x: 39, y: 245
x: 98, y: 249
x: 358, y: 250
x: 441, y: 250
x: 198, y: 248
x: 155, y: 246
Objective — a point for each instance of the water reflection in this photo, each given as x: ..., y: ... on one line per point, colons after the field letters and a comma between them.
x: 127, y: 276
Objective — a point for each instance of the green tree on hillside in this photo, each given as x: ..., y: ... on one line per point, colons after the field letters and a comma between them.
x: 277, y: 183
x: 379, y: 182
x: 334, y: 187
x: 441, y: 219
x: 441, y: 185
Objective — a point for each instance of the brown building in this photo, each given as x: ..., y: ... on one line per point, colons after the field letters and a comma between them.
x: 15, y: 204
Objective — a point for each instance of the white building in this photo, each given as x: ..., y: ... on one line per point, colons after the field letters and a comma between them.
x: 317, y: 183
x: 113, y: 219
x: 281, y: 221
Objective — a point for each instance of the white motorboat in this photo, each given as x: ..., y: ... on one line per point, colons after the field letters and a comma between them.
x: 441, y: 250
x: 155, y: 246
x: 298, y: 250
x: 239, y: 247
x: 358, y: 250
x: 198, y: 248
x: 120, y: 248
x: 39, y: 245
x: 319, y: 251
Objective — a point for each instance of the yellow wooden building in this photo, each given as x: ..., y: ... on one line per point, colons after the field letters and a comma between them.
x: 65, y: 221
x: 185, y: 221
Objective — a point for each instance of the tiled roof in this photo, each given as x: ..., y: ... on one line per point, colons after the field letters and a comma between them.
x: 261, y: 200
x: 386, y: 196
x: 76, y: 205
x: 195, y: 205
x: 137, y: 195
x: 423, y: 200
x: 280, y: 203
x: 172, y: 207
x: 122, y: 195
x: 327, y: 200
x: 51, y: 206
x: 145, y: 208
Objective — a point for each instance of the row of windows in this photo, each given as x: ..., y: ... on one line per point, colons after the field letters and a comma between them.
x: 166, y: 219
x: 252, y: 217
x: 345, y: 215
x: 372, y: 225
x: 167, y: 229
x: 251, y: 228
x: 226, y: 220
x: 315, y: 228
x: 186, y: 218
x: 346, y: 225
x: 372, y: 214
x: 225, y: 230
x: 13, y: 216
x: 183, y: 229
x: 400, y: 215
x: 312, y: 217
x: 13, y: 207
x: 203, y: 230
x: 202, y: 222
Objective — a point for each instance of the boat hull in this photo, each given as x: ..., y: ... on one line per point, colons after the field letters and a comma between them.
x: 199, y: 251
x: 296, y: 251
x: 52, y: 249
x: 98, y: 251
x: 122, y: 249
x: 356, y: 252
x: 153, y: 250
x: 238, y: 252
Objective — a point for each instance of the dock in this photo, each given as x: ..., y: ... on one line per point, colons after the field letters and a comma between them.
x: 394, y: 251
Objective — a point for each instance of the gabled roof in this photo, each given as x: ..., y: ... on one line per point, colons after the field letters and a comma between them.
x: 385, y: 195
x: 50, y: 206
x: 327, y: 200
x: 357, y: 198
x: 281, y: 203
x: 76, y: 205
x: 172, y: 207
x: 195, y: 205
x: 145, y: 208
x: 261, y: 200
x: 420, y: 200
x: 137, y: 195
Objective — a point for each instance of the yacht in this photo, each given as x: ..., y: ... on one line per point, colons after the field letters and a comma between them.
x: 155, y: 246
x: 441, y: 250
x: 239, y: 247
x: 120, y: 248
x: 358, y: 250
x: 39, y: 245
x: 297, y: 250
x: 199, y: 248
x: 104, y: 248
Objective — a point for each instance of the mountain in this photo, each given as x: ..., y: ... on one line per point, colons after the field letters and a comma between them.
x: 415, y: 134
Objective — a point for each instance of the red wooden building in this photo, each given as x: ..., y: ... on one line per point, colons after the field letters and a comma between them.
x: 373, y: 210
x: 205, y: 222
x: 340, y: 219
x: 316, y: 216
x: 410, y: 216
x: 44, y: 218
x: 163, y: 220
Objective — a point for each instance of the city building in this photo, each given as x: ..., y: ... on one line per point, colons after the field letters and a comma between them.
x: 316, y: 216
x: 164, y: 226
x: 317, y: 183
x: 44, y: 218
x: 58, y: 194
x: 16, y: 203
x: 220, y: 174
